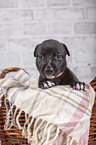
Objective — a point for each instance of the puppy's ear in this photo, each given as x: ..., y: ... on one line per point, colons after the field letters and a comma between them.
x: 35, y: 50
x: 66, y: 49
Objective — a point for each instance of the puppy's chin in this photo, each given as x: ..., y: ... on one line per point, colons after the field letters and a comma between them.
x: 50, y: 77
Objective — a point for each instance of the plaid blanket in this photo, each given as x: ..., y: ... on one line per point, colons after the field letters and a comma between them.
x: 61, y: 115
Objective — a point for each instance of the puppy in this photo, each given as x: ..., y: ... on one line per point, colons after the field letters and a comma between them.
x: 51, y: 63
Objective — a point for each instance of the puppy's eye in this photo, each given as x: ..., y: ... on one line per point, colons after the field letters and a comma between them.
x: 40, y: 57
x: 58, y: 56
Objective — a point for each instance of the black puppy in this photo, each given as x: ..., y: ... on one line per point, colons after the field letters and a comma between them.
x: 51, y: 63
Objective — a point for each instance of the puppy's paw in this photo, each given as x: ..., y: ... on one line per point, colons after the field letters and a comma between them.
x: 47, y: 85
x: 79, y: 86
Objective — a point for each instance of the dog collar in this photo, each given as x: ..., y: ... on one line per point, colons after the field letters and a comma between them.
x: 59, y: 75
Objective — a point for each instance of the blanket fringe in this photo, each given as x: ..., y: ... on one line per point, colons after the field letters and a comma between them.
x: 42, y: 133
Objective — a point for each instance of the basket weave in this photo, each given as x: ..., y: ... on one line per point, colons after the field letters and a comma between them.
x: 14, y: 137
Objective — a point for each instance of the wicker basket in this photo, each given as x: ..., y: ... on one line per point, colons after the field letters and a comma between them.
x: 14, y: 137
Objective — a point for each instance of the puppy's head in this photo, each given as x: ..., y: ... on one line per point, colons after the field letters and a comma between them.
x: 51, y: 58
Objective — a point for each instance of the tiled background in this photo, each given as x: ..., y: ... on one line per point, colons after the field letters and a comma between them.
x: 25, y: 23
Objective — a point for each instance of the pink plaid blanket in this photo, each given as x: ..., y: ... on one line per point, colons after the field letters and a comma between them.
x: 61, y: 114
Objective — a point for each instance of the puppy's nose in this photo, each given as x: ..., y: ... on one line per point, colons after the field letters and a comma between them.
x: 48, y: 70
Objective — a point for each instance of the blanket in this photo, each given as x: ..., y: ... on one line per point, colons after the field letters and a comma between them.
x: 60, y: 115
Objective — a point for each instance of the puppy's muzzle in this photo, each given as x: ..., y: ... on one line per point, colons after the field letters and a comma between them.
x: 49, y: 70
